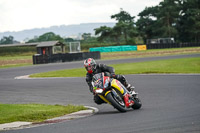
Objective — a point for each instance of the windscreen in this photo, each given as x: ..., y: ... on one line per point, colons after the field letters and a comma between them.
x: 98, y: 80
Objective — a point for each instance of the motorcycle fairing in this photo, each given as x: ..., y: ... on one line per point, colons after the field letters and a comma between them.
x: 99, y: 82
x: 103, y: 98
x: 116, y: 84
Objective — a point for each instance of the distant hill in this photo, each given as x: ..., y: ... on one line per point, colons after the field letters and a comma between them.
x: 63, y: 30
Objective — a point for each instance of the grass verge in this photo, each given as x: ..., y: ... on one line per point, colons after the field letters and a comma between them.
x: 184, y: 65
x: 15, y: 61
x: 15, y: 65
x: 34, y: 112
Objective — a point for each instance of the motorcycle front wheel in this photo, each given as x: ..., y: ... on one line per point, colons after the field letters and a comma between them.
x: 137, y: 103
x: 116, y: 102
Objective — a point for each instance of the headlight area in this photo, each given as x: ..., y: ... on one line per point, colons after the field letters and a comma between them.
x: 98, y: 90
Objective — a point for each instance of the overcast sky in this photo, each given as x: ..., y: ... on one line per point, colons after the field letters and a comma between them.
x: 17, y: 15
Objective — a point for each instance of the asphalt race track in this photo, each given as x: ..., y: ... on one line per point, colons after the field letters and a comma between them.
x: 171, y: 103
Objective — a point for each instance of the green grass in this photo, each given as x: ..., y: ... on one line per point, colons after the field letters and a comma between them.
x: 78, y: 72
x: 16, y: 57
x: 15, y: 61
x: 185, y: 65
x: 34, y: 112
x: 15, y: 65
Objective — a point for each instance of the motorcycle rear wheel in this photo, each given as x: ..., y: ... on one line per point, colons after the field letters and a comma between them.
x: 115, y: 103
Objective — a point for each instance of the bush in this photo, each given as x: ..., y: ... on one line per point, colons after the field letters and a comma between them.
x: 17, y: 50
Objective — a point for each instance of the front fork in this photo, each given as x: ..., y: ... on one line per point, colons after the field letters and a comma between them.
x: 127, y: 99
x: 126, y: 96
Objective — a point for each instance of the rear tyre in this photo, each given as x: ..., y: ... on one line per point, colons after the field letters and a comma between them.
x: 137, y: 103
x: 116, y: 103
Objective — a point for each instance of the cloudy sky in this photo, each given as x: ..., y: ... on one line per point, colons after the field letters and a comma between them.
x: 17, y: 15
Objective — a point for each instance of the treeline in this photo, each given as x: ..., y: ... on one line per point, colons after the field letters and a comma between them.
x: 8, y: 40
x: 178, y: 19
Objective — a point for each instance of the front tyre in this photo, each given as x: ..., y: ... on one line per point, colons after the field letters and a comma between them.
x: 115, y: 102
x: 137, y: 103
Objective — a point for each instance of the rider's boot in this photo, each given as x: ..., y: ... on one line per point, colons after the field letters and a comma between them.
x: 127, y: 100
x: 129, y: 87
x: 123, y: 80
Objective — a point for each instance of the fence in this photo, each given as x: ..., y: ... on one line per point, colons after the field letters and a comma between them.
x: 67, y: 57
x: 171, y: 45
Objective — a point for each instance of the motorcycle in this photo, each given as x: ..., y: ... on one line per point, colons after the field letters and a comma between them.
x: 115, y: 93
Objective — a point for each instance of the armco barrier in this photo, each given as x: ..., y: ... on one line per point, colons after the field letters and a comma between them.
x: 67, y: 57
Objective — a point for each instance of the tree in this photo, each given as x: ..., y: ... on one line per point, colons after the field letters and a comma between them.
x: 7, y: 40
x: 49, y: 36
x: 86, y: 36
x: 189, y: 21
x: 167, y: 16
x: 125, y: 27
x: 146, y: 24
x: 116, y: 33
x: 159, y: 21
x: 69, y: 39
x: 125, y: 24
x: 109, y: 34
x: 171, y: 18
x: 104, y: 32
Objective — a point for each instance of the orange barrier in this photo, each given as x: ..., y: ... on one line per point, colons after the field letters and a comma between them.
x: 141, y: 47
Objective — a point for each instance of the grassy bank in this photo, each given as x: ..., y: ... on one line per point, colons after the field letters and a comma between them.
x: 34, y: 112
x: 185, y: 65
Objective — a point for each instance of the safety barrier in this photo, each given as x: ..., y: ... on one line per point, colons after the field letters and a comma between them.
x: 144, y: 47
x: 67, y: 57
x: 115, y: 48
x: 141, y: 47
x: 171, y: 45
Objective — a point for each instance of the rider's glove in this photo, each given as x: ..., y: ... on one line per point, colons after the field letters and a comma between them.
x: 112, y: 75
x: 94, y: 92
x: 91, y: 89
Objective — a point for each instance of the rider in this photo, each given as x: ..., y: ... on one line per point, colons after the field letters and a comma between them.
x: 93, y: 68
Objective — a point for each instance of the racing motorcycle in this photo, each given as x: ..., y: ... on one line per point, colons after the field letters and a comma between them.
x: 115, y: 93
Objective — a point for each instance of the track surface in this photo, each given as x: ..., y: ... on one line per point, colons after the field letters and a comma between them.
x: 170, y: 102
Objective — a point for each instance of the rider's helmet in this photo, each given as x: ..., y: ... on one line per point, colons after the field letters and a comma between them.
x: 90, y: 65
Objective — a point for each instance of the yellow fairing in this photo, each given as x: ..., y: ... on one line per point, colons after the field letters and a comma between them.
x: 116, y: 84
x: 103, y: 98
x: 107, y: 93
